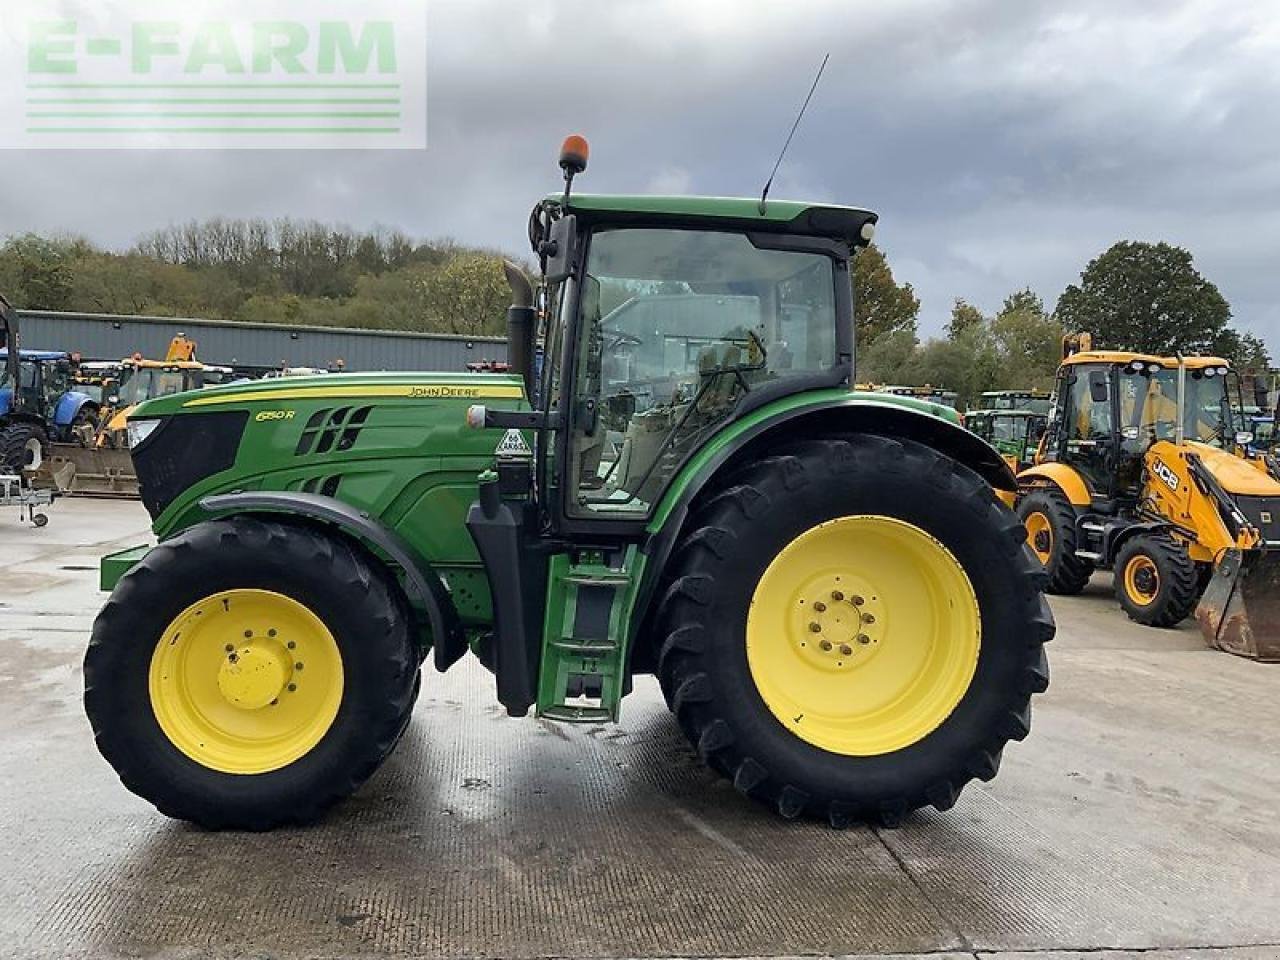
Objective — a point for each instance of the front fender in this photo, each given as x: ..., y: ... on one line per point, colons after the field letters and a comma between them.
x: 427, y: 592
x: 1063, y: 477
x: 69, y: 405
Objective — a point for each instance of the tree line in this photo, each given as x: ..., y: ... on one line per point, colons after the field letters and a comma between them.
x: 1147, y: 297
x: 1135, y: 295
x: 281, y: 271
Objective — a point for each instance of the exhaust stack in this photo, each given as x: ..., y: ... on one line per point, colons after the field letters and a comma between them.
x: 521, y: 325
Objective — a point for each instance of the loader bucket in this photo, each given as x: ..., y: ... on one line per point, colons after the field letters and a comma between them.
x: 98, y: 471
x: 1240, y: 609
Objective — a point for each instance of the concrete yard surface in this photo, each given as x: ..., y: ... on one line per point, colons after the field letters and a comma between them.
x: 1139, y: 820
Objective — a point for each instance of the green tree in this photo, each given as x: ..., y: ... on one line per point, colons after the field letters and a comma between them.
x: 881, y: 305
x: 963, y: 316
x: 38, y: 273
x: 1147, y: 297
x: 887, y: 359
x: 1028, y: 342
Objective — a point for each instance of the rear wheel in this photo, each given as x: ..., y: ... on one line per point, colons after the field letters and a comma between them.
x: 1155, y: 581
x: 1051, y: 533
x: 22, y: 447
x: 853, y: 629
x: 250, y: 673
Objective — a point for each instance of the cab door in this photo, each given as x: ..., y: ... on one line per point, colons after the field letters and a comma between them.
x: 1088, y: 428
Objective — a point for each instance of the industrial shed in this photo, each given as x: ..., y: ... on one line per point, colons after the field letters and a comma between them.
x: 97, y: 336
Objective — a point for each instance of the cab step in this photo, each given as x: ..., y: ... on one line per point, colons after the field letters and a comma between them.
x: 583, y: 667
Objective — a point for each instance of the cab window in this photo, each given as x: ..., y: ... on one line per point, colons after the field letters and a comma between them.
x: 676, y: 328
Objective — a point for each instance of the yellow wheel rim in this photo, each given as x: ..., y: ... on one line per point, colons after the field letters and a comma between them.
x: 1040, y: 536
x: 246, y: 681
x: 1141, y: 580
x: 863, y: 635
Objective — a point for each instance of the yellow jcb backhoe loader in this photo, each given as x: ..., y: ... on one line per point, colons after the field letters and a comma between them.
x: 1141, y: 472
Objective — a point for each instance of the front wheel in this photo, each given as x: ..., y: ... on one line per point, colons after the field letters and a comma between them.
x: 854, y: 629
x: 250, y: 673
x: 22, y: 448
x: 1156, y: 583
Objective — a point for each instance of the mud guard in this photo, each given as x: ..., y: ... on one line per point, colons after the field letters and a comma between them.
x: 427, y: 592
x: 1240, y: 610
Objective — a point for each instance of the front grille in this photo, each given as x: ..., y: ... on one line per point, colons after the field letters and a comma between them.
x: 1263, y: 513
x: 184, y: 450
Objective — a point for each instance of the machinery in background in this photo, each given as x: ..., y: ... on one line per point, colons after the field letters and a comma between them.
x: 1036, y: 401
x: 39, y: 404
x: 104, y: 467
x: 1141, y: 471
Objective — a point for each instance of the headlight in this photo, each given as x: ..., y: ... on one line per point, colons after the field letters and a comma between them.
x: 139, y: 430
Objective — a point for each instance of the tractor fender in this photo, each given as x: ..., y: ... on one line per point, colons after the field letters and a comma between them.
x: 69, y: 406
x: 859, y: 414
x: 427, y: 592
x: 1063, y: 477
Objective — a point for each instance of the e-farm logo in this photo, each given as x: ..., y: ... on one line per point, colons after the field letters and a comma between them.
x: 235, y: 74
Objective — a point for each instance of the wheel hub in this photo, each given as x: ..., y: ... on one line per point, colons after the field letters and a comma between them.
x: 253, y: 676
x: 839, y: 620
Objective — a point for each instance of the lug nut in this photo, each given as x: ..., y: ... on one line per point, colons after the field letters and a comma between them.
x: 271, y: 632
x: 298, y: 665
x: 837, y: 596
x: 290, y: 644
x: 230, y: 647
x: 293, y: 687
x: 826, y: 644
x: 863, y: 639
x: 858, y: 601
x: 815, y: 628
x: 248, y: 634
x: 846, y: 649
x: 820, y: 607
x: 868, y: 618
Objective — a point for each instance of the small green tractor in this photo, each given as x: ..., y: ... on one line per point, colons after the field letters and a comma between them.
x: 843, y: 618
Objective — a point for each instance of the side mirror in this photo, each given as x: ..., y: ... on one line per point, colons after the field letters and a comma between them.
x: 1244, y: 438
x: 560, y: 248
x: 1098, y: 392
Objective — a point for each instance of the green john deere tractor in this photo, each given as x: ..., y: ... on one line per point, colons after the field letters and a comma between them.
x: 844, y: 619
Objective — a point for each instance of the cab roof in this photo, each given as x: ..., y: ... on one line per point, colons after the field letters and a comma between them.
x: 38, y: 354
x: 787, y: 216
x: 1128, y: 356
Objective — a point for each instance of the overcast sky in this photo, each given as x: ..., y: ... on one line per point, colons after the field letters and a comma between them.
x: 1003, y: 142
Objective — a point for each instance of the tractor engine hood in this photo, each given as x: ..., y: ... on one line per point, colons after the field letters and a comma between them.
x: 335, y: 435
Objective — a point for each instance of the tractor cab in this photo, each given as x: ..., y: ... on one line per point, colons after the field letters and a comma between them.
x: 1037, y: 401
x: 1015, y: 433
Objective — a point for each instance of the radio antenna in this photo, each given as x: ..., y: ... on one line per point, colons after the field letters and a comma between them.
x: 764, y: 195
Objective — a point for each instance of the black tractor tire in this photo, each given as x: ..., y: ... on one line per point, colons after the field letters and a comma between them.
x: 1156, y: 583
x: 732, y: 537
x: 358, y: 601
x: 1068, y: 573
x: 16, y: 450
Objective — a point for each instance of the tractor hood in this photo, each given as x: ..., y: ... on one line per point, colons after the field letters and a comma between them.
x: 345, y: 435
x: 1235, y: 475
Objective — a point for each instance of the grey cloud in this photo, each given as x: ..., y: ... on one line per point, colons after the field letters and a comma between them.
x: 1004, y: 144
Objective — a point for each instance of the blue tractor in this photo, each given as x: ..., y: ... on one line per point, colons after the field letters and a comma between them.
x: 37, y: 404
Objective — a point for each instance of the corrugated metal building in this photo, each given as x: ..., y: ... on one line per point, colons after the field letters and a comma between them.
x: 97, y: 336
